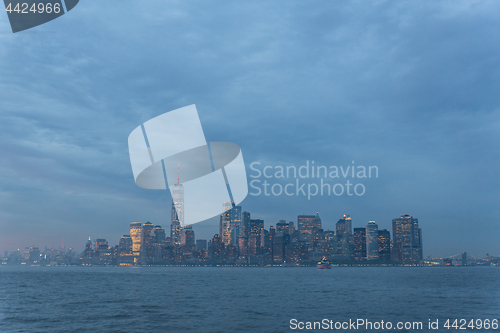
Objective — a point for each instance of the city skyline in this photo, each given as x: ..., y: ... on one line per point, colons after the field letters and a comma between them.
x: 286, y: 244
x: 366, y: 244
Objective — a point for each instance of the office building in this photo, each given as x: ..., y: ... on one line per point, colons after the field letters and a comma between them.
x: 359, y: 244
x: 384, y: 245
x: 147, y: 242
x: 372, y: 241
x: 136, y: 235
x: 344, y: 237
x: 225, y: 223
x: 282, y: 227
x: 187, y: 241
x: 125, y: 254
x: 236, y: 224
x: 306, y: 224
x: 407, y: 240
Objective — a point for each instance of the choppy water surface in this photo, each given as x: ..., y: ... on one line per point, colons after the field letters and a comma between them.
x: 217, y: 299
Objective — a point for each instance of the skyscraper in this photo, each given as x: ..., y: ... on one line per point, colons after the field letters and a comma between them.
x: 225, y: 223
x: 158, y: 243
x: 245, y: 217
x: 372, y: 241
x: 175, y: 228
x: 344, y: 237
x: 245, y: 234
x: 147, y: 242
x: 125, y: 254
x: 187, y: 241
x: 159, y: 235
x: 384, y: 245
x: 282, y: 227
x: 254, y: 238
x: 178, y: 201
x: 216, y: 248
x: 407, y: 240
x: 136, y: 235
x: 101, y: 244
x: 177, y: 212
x: 236, y: 224
x: 306, y: 224
x: 359, y: 246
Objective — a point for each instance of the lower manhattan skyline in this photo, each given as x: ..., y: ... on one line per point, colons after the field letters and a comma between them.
x: 348, y: 242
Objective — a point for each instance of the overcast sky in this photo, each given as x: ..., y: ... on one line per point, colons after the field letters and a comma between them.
x: 409, y: 87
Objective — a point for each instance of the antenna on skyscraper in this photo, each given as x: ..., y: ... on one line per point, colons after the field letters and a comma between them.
x: 178, y: 172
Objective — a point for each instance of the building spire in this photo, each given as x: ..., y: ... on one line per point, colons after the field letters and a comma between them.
x: 89, y: 235
x: 178, y: 172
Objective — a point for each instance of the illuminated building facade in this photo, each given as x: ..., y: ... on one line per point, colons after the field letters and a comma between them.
x: 187, y: 241
x: 306, y: 224
x: 178, y: 202
x: 216, y: 248
x: 236, y: 224
x: 359, y: 244
x: 407, y: 240
x: 125, y: 254
x: 372, y: 241
x: 282, y: 227
x: 225, y: 223
x: 147, y: 242
x: 384, y: 245
x: 175, y: 228
x: 136, y: 235
x: 344, y: 237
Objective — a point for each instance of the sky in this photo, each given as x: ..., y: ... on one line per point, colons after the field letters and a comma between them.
x: 410, y: 87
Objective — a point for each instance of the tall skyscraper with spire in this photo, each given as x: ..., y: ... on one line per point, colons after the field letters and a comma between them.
x: 177, y: 211
x: 225, y: 223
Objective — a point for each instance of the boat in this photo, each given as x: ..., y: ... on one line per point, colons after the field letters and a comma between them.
x: 324, y: 264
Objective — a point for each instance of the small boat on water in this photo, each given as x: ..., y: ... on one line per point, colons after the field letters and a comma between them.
x: 324, y: 264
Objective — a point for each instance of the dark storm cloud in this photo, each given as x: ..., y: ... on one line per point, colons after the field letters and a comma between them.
x: 410, y: 87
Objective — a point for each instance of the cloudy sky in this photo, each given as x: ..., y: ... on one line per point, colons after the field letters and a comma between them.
x: 410, y: 87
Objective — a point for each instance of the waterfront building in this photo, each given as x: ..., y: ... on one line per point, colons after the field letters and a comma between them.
x: 216, y: 248
x: 384, y: 245
x: 344, y: 237
x: 245, y: 222
x: 407, y: 240
x: 147, y: 242
x: 125, y: 254
x: 236, y: 224
x: 359, y: 244
x: 136, y: 235
x: 187, y: 241
x: 225, y: 223
x: 372, y: 241
x: 306, y: 224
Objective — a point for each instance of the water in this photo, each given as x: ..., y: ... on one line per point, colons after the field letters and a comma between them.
x: 232, y: 299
